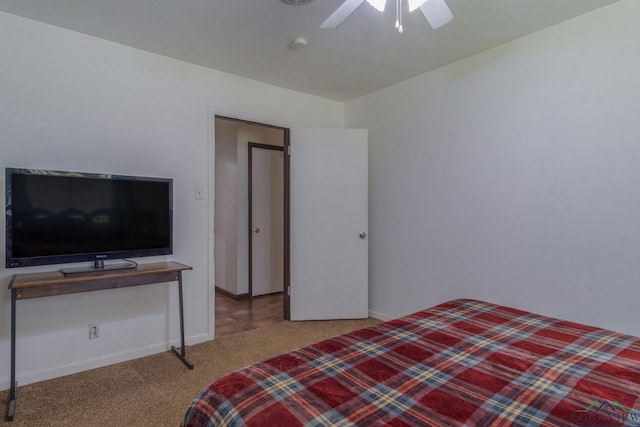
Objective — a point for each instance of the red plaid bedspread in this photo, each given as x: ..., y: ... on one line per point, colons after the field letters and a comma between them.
x: 463, y: 362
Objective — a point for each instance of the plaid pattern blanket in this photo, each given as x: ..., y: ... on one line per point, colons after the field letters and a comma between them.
x: 463, y: 362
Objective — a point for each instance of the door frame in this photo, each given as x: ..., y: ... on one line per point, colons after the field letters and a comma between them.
x: 287, y: 215
x: 251, y: 146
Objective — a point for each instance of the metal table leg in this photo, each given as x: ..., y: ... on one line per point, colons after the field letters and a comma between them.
x: 181, y: 354
x: 11, y: 404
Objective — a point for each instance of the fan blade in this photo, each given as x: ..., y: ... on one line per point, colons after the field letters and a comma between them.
x: 341, y: 13
x: 437, y: 13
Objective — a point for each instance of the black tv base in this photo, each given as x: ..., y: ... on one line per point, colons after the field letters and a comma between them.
x: 98, y: 266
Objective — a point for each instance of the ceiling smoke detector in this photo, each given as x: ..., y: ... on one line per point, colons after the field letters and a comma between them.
x: 298, y: 43
x: 296, y: 2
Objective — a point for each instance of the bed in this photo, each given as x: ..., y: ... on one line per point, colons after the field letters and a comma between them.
x: 463, y: 362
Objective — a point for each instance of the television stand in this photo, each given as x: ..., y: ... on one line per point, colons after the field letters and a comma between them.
x: 36, y: 285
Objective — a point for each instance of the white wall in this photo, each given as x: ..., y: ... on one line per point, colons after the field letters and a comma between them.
x: 73, y: 102
x: 513, y: 176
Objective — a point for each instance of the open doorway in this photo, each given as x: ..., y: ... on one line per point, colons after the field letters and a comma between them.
x: 241, y: 303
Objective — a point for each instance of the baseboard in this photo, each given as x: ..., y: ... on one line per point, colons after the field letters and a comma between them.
x: 238, y: 297
x: 24, y: 378
x: 380, y: 316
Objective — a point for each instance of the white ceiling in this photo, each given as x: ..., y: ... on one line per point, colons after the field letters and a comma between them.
x: 251, y: 38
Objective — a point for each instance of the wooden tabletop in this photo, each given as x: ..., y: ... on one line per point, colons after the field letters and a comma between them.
x: 34, y: 285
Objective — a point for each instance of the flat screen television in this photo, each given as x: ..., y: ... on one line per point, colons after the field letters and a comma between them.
x: 55, y: 217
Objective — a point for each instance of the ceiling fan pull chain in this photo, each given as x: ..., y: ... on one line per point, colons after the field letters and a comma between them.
x: 399, y: 15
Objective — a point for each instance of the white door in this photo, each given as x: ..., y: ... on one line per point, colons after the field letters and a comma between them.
x: 267, y: 221
x: 329, y: 210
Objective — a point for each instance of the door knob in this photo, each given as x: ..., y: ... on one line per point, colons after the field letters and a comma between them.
x: 256, y: 230
x: 363, y: 235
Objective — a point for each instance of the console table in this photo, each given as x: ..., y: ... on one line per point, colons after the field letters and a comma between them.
x: 36, y: 285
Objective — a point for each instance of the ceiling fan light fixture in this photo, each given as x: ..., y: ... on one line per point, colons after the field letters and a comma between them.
x: 436, y: 11
x: 378, y: 4
x: 414, y: 4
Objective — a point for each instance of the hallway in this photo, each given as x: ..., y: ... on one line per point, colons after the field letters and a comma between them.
x: 237, y: 316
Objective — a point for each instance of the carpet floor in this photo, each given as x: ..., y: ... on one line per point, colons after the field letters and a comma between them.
x: 156, y: 390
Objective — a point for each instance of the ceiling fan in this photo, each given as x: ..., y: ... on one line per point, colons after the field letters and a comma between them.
x: 436, y: 11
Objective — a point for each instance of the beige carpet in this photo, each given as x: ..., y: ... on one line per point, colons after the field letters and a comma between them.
x: 156, y: 390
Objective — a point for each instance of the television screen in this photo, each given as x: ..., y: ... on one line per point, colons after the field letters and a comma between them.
x: 57, y: 217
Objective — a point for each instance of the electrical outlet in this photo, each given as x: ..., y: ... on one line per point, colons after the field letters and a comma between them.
x: 93, y: 331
